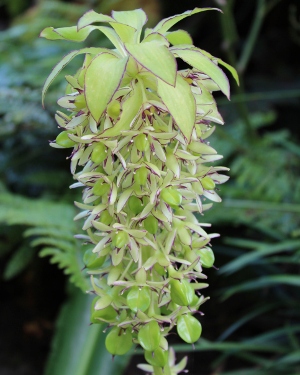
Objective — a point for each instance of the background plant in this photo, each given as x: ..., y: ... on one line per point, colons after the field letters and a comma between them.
x: 272, y: 100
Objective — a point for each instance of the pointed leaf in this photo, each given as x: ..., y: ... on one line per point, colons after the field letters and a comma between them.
x: 103, y: 302
x: 90, y: 17
x: 99, y: 92
x: 135, y: 18
x: 156, y: 58
x: 65, y: 61
x: 130, y: 110
x: 199, y: 61
x: 181, y: 103
x: 123, y: 198
x: 231, y: 69
x: 165, y: 24
x: 179, y: 37
x: 157, y: 38
x: 126, y: 33
x: 113, y: 37
x: 67, y: 33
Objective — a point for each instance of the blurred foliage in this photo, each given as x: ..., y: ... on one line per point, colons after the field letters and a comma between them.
x: 256, y: 290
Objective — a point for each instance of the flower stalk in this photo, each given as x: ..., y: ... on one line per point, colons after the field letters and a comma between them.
x: 138, y: 128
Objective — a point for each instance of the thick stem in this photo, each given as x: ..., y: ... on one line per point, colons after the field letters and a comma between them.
x: 158, y: 371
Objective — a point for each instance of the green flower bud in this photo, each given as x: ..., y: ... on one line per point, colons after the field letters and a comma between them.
x: 208, y: 183
x: 141, y: 276
x: 108, y: 313
x: 120, y: 239
x: 114, y: 109
x: 141, y: 142
x: 158, y: 357
x: 118, y: 342
x: 171, y: 196
x: 151, y: 224
x: 135, y: 205
x: 92, y: 260
x: 207, y: 257
x: 99, y: 153
x: 139, y: 298
x: 63, y: 140
x: 149, y: 336
x: 101, y: 188
x: 140, y: 176
x: 79, y: 101
x: 189, y: 328
x: 105, y: 218
x: 182, y: 293
x: 159, y: 269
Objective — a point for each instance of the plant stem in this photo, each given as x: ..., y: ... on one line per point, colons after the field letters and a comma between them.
x: 254, y: 96
x: 231, y: 36
x: 252, y: 37
x: 157, y: 370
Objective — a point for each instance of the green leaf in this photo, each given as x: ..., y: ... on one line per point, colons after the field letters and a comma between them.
x: 156, y: 58
x: 263, y: 282
x: 67, y: 33
x: 135, y: 18
x: 231, y: 69
x: 113, y: 37
x: 65, y: 61
x: 18, y: 262
x: 199, y: 61
x: 90, y: 17
x: 130, y: 110
x: 179, y: 37
x: 181, y: 103
x: 255, y: 255
x: 157, y: 38
x: 99, y: 92
x: 88, y: 355
x: 165, y: 24
x: 125, y: 32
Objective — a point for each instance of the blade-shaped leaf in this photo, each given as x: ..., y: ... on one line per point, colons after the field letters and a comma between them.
x: 180, y: 102
x: 179, y: 37
x: 196, y: 59
x: 126, y: 33
x: 88, y: 355
x: 263, y: 282
x: 165, y: 24
x: 65, y: 61
x: 135, y: 18
x: 102, y: 79
x: 231, y: 69
x: 113, y: 37
x: 157, y: 38
x: 130, y: 110
x: 67, y: 33
x: 155, y: 58
x: 90, y: 17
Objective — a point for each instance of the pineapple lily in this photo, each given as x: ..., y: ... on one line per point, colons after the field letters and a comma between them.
x: 138, y: 128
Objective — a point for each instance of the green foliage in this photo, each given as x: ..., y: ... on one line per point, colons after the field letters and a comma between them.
x: 78, y: 348
x: 51, y: 228
x: 258, y: 324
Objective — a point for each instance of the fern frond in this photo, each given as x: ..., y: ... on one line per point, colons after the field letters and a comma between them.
x: 51, y: 228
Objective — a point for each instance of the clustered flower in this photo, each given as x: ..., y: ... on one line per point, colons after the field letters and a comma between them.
x: 138, y: 128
